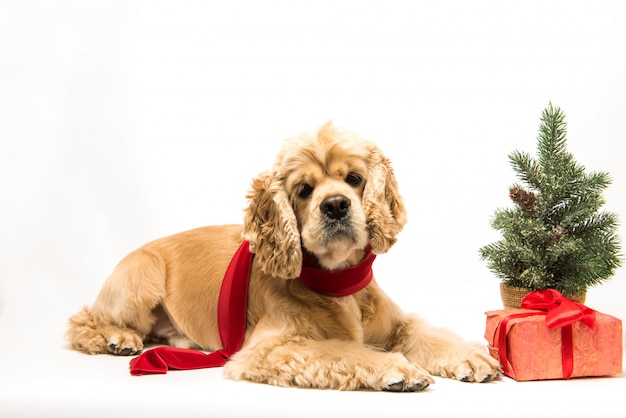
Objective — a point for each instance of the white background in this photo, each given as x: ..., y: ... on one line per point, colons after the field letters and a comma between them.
x: 124, y: 121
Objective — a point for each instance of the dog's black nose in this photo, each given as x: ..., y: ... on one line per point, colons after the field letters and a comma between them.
x: 335, y: 207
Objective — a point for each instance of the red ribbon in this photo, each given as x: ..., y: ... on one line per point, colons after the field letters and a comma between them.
x: 338, y: 283
x: 231, y: 318
x: 232, y: 310
x: 560, y: 312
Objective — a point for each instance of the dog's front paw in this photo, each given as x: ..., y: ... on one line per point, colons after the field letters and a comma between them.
x: 405, y: 377
x: 475, y: 365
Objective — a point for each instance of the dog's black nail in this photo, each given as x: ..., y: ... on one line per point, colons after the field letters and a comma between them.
x: 465, y: 379
x: 418, y: 387
x: 126, y: 351
x: 487, y: 378
x: 399, y: 387
x: 112, y: 348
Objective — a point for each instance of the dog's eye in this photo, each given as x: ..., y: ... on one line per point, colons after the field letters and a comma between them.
x: 353, y: 179
x: 305, y: 191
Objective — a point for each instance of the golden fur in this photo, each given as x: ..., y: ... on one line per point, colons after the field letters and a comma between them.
x: 168, y: 289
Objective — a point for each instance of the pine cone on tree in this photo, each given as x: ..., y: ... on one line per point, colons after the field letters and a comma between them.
x: 525, y: 199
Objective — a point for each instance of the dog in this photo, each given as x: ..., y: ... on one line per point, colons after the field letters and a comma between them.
x: 330, y: 197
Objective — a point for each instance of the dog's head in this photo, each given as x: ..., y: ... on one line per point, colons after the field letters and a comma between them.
x: 329, y: 193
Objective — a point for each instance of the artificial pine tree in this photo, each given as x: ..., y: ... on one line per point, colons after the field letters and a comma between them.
x: 555, y: 236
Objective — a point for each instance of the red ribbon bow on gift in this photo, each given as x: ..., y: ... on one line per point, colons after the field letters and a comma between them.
x: 560, y: 312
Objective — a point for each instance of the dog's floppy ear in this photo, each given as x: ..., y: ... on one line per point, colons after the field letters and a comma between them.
x: 382, y: 203
x: 271, y: 227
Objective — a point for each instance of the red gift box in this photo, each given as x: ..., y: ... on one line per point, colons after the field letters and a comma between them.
x: 555, y: 339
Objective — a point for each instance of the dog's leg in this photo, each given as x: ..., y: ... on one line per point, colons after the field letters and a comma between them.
x: 121, y: 316
x: 442, y: 352
x: 326, y: 364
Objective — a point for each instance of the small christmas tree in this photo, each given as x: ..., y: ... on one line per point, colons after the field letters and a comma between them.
x: 555, y: 236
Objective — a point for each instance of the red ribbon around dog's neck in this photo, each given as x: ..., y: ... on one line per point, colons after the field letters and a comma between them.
x: 232, y: 310
x: 560, y: 312
x: 338, y: 282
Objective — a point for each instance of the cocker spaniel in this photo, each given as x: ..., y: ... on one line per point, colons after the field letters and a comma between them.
x: 330, y: 201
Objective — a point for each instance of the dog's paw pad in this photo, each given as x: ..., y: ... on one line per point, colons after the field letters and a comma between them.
x: 123, y: 342
x: 416, y: 387
x: 407, y: 387
x: 126, y: 351
x: 489, y: 377
x: 395, y: 387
